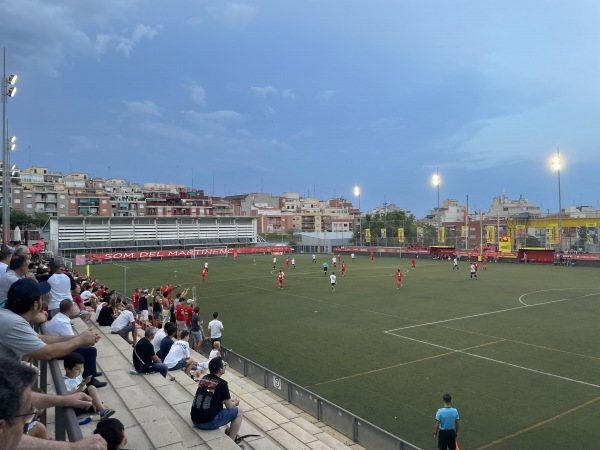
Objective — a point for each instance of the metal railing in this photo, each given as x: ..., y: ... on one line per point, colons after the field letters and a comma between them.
x: 66, y: 423
x: 350, y: 425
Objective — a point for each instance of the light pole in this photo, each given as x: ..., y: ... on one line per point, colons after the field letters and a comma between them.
x: 8, y: 90
x: 556, y: 166
x: 435, y: 180
x: 357, y: 193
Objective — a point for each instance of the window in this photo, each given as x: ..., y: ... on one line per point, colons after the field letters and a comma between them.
x: 17, y: 191
x: 63, y: 206
x: 73, y: 210
x: 17, y: 200
x: 72, y: 201
x: 62, y: 197
x: 103, y: 210
x: 29, y: 195
x: 29, y: 206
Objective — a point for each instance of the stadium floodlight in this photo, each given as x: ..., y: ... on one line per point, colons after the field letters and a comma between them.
x: 556, y: 165
x: 8, y: 90
x: 357, y: 193
x: 435, y: 180
x: 12, y: 139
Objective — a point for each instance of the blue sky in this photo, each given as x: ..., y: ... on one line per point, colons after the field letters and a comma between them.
x: 313, y: 96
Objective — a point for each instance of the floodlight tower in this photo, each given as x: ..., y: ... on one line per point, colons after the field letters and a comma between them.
x: 556, y: 166
x: 357, y: 193
x: 8, y: 90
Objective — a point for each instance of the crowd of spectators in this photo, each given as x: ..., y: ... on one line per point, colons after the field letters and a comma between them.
x: 35, y: 292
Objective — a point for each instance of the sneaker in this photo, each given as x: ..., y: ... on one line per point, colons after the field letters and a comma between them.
x: 106, y: 413
x: 133, y: 372
x: 85, y: 421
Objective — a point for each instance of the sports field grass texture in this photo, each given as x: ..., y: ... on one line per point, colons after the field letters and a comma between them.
x: 517, y: 349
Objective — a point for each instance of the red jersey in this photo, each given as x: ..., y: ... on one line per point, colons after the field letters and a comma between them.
x: 343, y: 267
x: 372, y: 256
x: 412, y: 261
x: 280, y: 277
x: 204, y: 272
x: 135, y: 298
x: 189, y: 311
x: 180, y: 312
x: 399, y: 276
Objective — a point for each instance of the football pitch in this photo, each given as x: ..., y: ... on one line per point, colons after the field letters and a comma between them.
x: 517, y: 349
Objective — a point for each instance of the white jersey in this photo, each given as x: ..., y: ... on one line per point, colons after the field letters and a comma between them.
x: 293, y: 262
x: 332, y: 277
x: 206, y: 265
x: 179, y: 350
x: 334, y: 260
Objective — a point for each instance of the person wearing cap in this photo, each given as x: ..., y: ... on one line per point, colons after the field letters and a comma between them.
x: 18, y: 339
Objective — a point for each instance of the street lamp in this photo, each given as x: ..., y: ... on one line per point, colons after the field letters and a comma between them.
x: 556, y: 166
x: 357, y: 193
x: 8, y: 90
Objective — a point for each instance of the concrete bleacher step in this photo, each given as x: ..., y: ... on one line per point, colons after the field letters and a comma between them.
x: 156, y: 411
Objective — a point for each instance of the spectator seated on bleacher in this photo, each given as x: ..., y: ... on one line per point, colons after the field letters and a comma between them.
x: 144, y: 357
x: 125, y: 324
x: 60, y: 325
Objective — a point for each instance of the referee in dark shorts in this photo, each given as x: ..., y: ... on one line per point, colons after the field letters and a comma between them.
x: 446, y: 425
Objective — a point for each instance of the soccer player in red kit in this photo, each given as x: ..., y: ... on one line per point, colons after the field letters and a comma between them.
x: 343, y: 269
x: 287, y: 262
x: 204, y: 271
x: 280, y: 278
x: 399, y: 278
x: 372, y: 255
x: 235, y: 255
x: 413, y: 263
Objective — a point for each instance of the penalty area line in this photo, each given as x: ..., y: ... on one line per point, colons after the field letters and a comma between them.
x: 424, y: 324
x: 497, y: 361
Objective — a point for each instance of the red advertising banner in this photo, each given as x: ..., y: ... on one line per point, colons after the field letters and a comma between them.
x: 186, y: 253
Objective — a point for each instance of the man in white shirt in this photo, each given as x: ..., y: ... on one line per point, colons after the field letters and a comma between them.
x: 216, y: 328
x: 5, y: 256
x: 160, y: 335
x: 60, y: 284
x: 333, y: 279
x: 60, y: 325
x: 179, y: 355
x: 125, y: 324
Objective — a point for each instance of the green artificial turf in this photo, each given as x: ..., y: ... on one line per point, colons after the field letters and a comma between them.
x: 517, y: 349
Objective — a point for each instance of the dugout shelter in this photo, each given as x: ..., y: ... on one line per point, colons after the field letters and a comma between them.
x: 442, y: 251
x: 536, y: 255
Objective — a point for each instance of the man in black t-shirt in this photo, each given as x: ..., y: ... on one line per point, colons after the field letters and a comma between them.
x: 144, y: 358
x: 213, y: 406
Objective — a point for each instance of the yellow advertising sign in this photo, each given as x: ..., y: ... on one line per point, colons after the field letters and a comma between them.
x: 464, y: 231
x: 383, y: 233
x: 401, y: 235
x: 490, y: 234
x: 368, y: 235
x: 504, y: 247
x: 591, y: 225
x: 442, y: 235
x: 552, y: 234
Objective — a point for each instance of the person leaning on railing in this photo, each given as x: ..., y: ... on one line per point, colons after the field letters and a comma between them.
x: 18, y: 339
x: 19, y: 405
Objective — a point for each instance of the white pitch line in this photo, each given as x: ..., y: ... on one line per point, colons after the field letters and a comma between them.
x: 550, y: 290
x: 498, y: 361
x: 491, y: 312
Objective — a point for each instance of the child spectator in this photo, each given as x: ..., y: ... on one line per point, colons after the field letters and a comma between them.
x: 113, y: 432
x: 73, y: 364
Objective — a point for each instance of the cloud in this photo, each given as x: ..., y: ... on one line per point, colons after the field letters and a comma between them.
x: 287, y: 93
x: 123, y: 44
x: 263, y: 91
x: 145, y: 107
x: 197, y: 94
x: 216, y: 121
x: 236, y: 15
x: 268, y: 109
x: 325, y: 94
